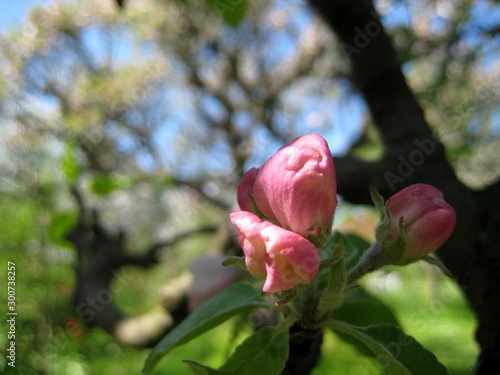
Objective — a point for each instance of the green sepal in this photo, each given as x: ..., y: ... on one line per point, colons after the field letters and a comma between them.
x: 333, y: 294
x: 384, y: 227
x: 378, y: 201
x: 256, y: 208
x: 323, y: 239
x: 394, y: 251
x: 436, y: 262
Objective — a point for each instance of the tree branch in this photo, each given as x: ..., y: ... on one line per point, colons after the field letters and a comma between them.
x: 101, y: 257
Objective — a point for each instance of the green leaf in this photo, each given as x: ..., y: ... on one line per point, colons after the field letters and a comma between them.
x: 399, y: 353
x: 233, y: 300
x: 70, y: 165
x: 362, y: 309
x: 60, y: 225
x: 231, y: 11
x: 104, y: 184
x: 264, y: 352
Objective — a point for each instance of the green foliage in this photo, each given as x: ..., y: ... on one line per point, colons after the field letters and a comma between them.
x: 104, y: 183
x: 100, y: 102
x: 19, y: 222
x: 231, y: 11
x: 433, y: 311
x: 363, y: 309
x: 264, y: 352
x: 70, y: 165
x: 233, y: 300
x: 60, y: 226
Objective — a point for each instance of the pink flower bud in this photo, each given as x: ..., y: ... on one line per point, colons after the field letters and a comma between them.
x: 281, y: 257
x: 296, y: 187
x: 428, y: 219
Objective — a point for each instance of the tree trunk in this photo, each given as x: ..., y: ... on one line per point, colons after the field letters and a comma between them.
x: 414, y: 155
x: 305, y: 349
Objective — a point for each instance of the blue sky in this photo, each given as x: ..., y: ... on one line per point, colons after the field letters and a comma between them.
x: 12, y: 13
x: 346, y: 115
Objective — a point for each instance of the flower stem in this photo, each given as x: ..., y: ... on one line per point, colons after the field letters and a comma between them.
x: 371, y: 260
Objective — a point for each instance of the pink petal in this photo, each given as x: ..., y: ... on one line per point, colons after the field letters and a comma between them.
x: 245, y: 188
x: 290, y: 259
x: 297, y: 186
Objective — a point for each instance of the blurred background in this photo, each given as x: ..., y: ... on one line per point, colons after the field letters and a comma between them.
x: 124, y: 131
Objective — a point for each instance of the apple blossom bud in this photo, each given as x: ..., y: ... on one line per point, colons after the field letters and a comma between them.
x: 428, y: 220
x: 414, y: 222
x: 296, y: 187
x: 281, y: 257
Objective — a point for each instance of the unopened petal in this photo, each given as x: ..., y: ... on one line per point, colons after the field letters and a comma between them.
x: 249, y: 228
x: 245, y: 188
x: 290, y: 259
x: 297, y: 186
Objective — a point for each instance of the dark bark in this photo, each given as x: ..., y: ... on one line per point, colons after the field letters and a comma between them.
x: 101, y: 256
x: 305, y: 349
x: 413, y: 155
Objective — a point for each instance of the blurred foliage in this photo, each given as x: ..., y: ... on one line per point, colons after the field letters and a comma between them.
x: 433, y: 310
x: 154, y: 112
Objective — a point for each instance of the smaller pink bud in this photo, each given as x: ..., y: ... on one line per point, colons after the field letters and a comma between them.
x: 281, y: 257
x: 428, y: 219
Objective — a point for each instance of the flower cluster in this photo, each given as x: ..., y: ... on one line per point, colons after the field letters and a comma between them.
x: 287, y: 202
x: 288, y: 206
